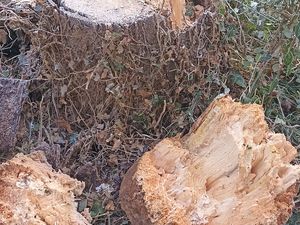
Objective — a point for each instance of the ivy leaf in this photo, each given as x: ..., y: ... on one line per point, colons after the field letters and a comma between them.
x: 82, y: 204
x: 298, y: 104
x: 287, y: 32
x: 249, y: 58
x: 238, y: 79
x: 97, y: 209
x: 289, y: 69
x: 265, y: 57
x: 297, y: 30
x: 298, y: 81
x: 222, y: 9
x: 288, y: 58
x: 279, y: 121
x: 276, y: 67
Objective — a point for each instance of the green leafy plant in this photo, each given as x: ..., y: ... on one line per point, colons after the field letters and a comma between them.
x: 263, y: 40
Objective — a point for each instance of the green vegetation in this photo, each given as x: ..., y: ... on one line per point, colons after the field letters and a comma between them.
x: 263, y: 39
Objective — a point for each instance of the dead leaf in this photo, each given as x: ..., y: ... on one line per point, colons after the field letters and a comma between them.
x: 117, y: 144
x: 102, y: 136
x: 63, y: 90
x: 148, y: 103
x: 110, y: 206
x: 286, y: 105
x: 89, y: 77
x: 120, y: 49
x: 125, y: 41
x: 3, y: 36
x: 191, y: 89
x: 86, y: 214
x: 113, y: 160
x: 97, y: 77
x: 62, y: 123
x: 110, y: 138
x: 108, y: 35
x: 104, y: 74
x: 144, y: 94
x: 199, y: 10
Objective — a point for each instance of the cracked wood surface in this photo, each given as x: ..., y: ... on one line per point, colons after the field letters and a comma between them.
x: 230, y: 169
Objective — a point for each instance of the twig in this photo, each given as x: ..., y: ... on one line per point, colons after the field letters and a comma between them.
x: 41, y: 121
x: 161, y: 114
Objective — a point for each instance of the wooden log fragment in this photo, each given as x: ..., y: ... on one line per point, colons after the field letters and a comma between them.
x: 12, y: 94
x: 230, y: 169
x: 32, y: 193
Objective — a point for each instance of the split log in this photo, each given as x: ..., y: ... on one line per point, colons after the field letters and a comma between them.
x: 12, y: 94
x: 32, y: 193
x: 230, y: 169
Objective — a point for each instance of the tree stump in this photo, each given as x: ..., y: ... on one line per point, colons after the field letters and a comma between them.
x: 106, y: 56
x: 230, y: 169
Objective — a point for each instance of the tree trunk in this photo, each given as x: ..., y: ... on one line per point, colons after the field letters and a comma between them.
x: 230, y: 169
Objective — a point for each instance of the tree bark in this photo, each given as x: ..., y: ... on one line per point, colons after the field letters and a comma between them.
x: 12, y: 95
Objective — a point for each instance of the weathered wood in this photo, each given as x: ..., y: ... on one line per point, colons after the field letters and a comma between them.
x: 230, y: 169
x: 107, y: 11
x: 12, y: 94
x: 122, y: 12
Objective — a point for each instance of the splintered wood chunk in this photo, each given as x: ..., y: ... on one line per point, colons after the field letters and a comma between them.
x: 230, y: 169
x: 31, y: 193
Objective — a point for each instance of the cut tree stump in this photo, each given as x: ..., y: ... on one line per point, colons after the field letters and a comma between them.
x: 230, y: 169
x: 32, y: 193
x: 12, y: 94
x: 109, y: 55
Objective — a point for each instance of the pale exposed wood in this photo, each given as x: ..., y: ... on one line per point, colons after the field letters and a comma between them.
x: 230, y: 169
x: 178, y: 11
x: 108, y: 11
x: 122, y: 12
x: 31, y: 193
x: 159, y: 4
x: 175, y: 7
